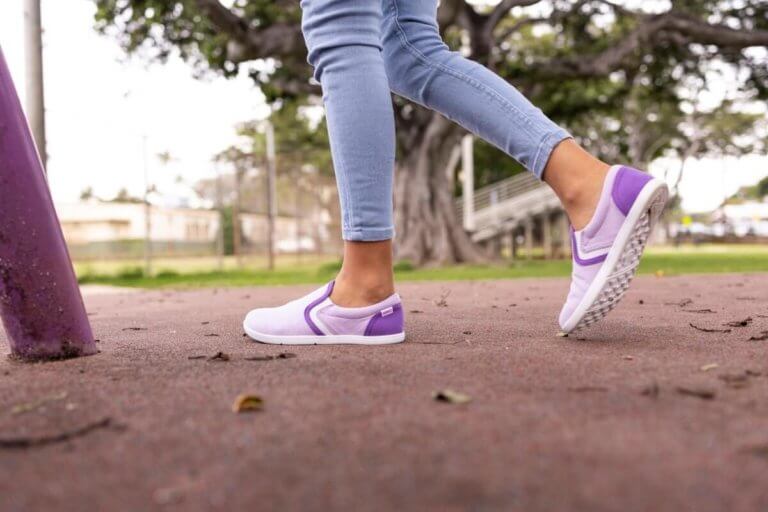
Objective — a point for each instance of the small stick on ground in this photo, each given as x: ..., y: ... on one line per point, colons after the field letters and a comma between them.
x: 739, y: 323
x: 282, y: 355
x: 704, y: 394
x: 442, y: 303
x: 681, y: 304
x: 588, y: 389
x: 31, y: 442
x: 705, y: 329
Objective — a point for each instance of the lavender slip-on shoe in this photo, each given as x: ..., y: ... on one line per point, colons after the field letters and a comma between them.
x: 606, y: 253
x: 315, y: 320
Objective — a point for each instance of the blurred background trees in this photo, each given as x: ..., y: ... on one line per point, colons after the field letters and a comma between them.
x: 634, y: 81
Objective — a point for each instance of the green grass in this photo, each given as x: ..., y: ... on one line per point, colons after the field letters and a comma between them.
x: 194, y: 274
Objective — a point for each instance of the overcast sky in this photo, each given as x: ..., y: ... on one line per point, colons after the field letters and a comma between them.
x: 100, y: 104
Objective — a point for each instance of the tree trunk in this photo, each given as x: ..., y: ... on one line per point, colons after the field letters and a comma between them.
x: 427, y: 226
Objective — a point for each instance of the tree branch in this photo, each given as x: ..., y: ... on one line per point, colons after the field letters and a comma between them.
x: 502, y: 9
x: 248, y: 43
x: 720, y: 35
x: 670, y: 25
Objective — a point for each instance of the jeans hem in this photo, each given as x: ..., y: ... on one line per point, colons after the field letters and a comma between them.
x: 545, y: 149
x: 368, y: 234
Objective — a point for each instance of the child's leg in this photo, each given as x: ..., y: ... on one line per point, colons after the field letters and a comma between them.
x: 360, y: 306
x: 612, y: 209
x: 422, y: 68
x: 344, y: 42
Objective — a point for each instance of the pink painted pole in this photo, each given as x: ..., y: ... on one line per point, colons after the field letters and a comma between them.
x: 40, y: 303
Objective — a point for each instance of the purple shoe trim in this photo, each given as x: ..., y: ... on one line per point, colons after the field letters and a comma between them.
x: 381, y: 325
x: 584, y: 263
x: 627, y: 186
x: 314, y: 304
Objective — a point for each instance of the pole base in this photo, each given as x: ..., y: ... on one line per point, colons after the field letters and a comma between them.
x: 53, y: 353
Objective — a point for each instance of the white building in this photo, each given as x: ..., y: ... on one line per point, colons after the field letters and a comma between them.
x: 96, y: 229
x: 96, y: 221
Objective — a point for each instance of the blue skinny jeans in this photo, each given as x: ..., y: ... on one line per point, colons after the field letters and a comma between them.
x: 363, y: 49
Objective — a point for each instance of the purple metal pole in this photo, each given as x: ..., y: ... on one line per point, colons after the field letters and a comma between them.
x: 40, y: 302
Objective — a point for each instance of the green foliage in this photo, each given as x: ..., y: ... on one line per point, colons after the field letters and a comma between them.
x: 123, y: 196
x: 620, y: 79
x: 86, y: 194
x: 756, y: 192
x: 298, y: 141
x: 762, y: 187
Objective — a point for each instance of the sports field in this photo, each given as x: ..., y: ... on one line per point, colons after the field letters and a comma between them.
x: 203, y: 272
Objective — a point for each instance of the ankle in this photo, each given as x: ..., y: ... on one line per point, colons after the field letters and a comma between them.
x: 581, y: 196
x: 577, y: 178
x: 360, y: 290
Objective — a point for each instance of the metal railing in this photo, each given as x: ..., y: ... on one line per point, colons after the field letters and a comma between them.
x: 502, y: 206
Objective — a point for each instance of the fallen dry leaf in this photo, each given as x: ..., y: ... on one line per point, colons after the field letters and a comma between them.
x: 451, y: 397
x: 735, y: 380
x: 704, y: 394
x: 760, y: 450
x: 710, y: 366
x: 31, y: 406
x: 247, y: 403
x: 652, y: 390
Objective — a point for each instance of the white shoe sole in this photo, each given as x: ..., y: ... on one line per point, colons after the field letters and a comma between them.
x: 620, y: 265
x: 339, y: 339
